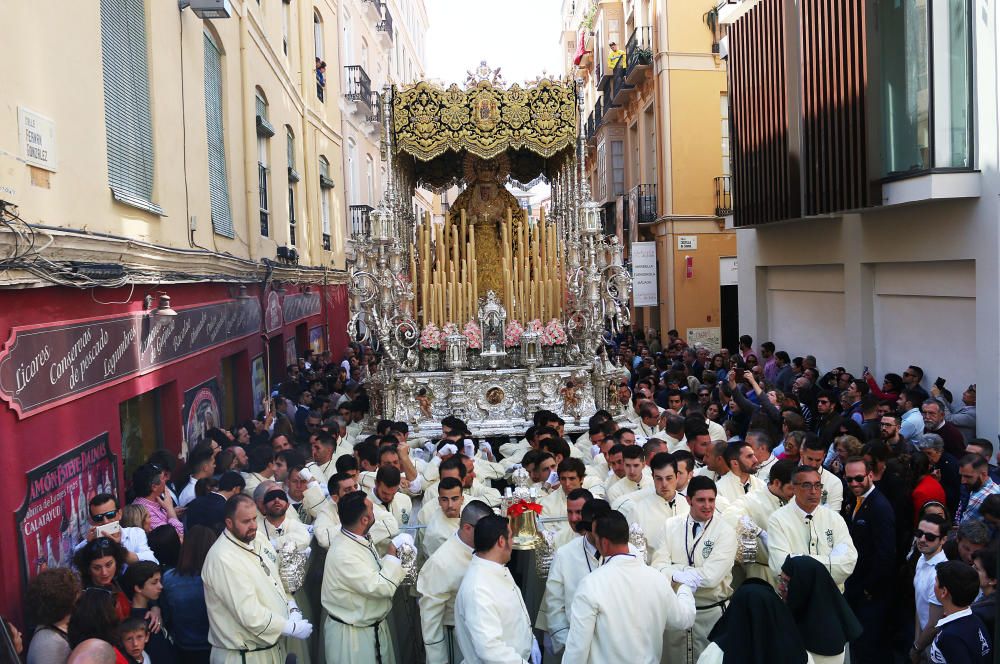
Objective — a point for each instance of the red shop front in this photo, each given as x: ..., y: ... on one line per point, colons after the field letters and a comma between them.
x: 92, y: 382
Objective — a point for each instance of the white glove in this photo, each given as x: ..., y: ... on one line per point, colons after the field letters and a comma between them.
x: 307, y: 551
x: 431, y: 448
x: 763, y: 538
x: 447, y: 450
x: 469, y: 447
x: 553, y: 478
x: 486, y: 450
x: 417, y: 484
x: 536, y: 653
x: 401, y: 539
x: 306, y: 475
x: 297, y: 629
x: 838, y: 550
x: 690, y: 578
x: 294, y: 612
x: 594, y: 451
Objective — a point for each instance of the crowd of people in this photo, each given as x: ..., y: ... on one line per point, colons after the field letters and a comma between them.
x: 737, y: 507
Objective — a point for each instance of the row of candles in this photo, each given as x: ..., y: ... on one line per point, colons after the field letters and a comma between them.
x: 448, y: 279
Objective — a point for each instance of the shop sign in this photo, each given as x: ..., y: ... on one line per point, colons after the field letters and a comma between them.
x: 299, y: 306
x: 42, y: 366
x: 55, y: 514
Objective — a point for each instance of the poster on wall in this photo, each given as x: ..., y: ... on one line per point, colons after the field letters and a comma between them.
x: 55, y: 515
x: 258, y: 384
x: 316, y: 344
x: 201, y: 411
x: 291, y: 355
x: 644, y: 274
x: 706, y: 337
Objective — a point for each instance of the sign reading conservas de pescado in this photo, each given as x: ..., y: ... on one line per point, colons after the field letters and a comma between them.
x: 44, y: 365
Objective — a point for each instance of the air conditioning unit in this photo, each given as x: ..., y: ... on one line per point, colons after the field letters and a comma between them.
x: 208, y: 8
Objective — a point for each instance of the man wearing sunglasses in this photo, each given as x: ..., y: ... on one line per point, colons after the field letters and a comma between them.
x: 104, y: 510
x: 872, y: 523
x: 930, y: 536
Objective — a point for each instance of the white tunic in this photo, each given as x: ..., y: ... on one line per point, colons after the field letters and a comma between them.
x: 401, y: 506
x: 651, y: 511
x: 825, y: 537
x: 323, y: 471
x: 730, y: 488
x: 438, y: 584
x: 358, y: 587
x: 833, y: 490
x: 611, y: 622
x: 554, y: 506
x: 571, y: 563
x: 625, y: 486
x: 491, y: 620
x: 759, y: 505
x: 247, y: 607
x: 439, y: 529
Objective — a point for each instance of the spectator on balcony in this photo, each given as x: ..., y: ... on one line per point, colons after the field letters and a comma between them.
x: 320, y: 73
x: 616, y: 57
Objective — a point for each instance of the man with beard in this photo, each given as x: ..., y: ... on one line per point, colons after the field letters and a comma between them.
x: 976, y: 486
x: 248, y: 612
x: 740, y: 480
x: 756, y: 508
x: 358, y: 587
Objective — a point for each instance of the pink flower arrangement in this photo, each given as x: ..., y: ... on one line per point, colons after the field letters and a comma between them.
x: 535, y: 326
x: 448, y: 329
x: 553, y: 334
x: 474, y: 335
x: 512, y: 334
x: 431, y: 337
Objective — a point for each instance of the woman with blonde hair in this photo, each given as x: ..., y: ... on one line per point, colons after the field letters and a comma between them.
x: 135, y: 516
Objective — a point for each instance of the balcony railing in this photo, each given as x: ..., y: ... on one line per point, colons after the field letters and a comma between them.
x: 359, y: 86
x: 642, y: 200
x: 620, y: 86
x: 385, y: 25
x: 639, y: 51
x: 589, y: 128
x: 723, y: 196
x: 376, y: 106
x: 360, y: 219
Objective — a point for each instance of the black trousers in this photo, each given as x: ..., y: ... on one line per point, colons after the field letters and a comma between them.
x: 874, y: 646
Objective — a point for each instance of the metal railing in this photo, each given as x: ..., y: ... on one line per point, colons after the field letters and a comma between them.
x: 385, y: 25
x: 360, y: 219
x: 359, y: 85
x: 619, y: 84
x: 265, y: 213
x: 639, y: 49
x: 376, y: 106
x: 642, y: 199
x: 590, y: 128
x: 723, y: 196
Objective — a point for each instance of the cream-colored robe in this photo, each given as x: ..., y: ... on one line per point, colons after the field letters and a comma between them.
x: 612, y: 622
x: 825, y: 537
x: 712, y: 554
x: 625, y: 486
x: 571, y: 563
x: 247, y: 606
x: 358, y: 587
x: 759, y: 505
x: 437, y: 585
x: 296, y: 532
x: 323, y: 471
x: 651, y: 511
x: 439, y: 529
x: 729, y: 487
x: 491, y: 620
x: 833, y: 490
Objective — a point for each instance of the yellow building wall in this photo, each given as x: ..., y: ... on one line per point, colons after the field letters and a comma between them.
x: 77, y: 194
x: 687, y: 31
x: 697, y: 299
x: 696, y: 139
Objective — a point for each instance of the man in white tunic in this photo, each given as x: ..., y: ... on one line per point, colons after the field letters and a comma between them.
x: 445, y: 521
x: 573, y: 561
x: 761, y: 443
x: 740, y: 480
x: 323, y: 465
x: 651, y: 510
x: 248, y: 612
x: 804, y: 527
x: 699, y: 550
x: 634, y: 480
x: 610, y: 621
x: 491, y: 620
x: 571, y: 474
x: 358, y: 587
x: 387, y: 495
x: 438, y: 584
x: 812, y: 455
x: 756, y: 509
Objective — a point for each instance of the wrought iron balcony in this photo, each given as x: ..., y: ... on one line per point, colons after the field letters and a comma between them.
x: 376, y: 106
x: 360, y: 219
x: 723, y: 196
x: 642, y: 201
x: 638, y: 53
x: 620, y: 86
x: 385, y: 25
x: 589, y: 128
x: 358, y: 88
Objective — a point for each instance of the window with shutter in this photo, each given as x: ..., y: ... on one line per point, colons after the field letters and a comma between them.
x: 325, y: 184
x: 127, y: 115
x: 218, y: 182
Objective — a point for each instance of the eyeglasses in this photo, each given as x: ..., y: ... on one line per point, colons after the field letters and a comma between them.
x: 105, y: 516
x: 819, y: 401
x: 857, y: 479
x: 930, y: 537
x: 810, y: 486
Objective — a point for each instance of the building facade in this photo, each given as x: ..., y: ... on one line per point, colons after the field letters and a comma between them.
x: 382, y: 42
x: 657, y: 154
x: 172, y: 229
x: 865, y: 155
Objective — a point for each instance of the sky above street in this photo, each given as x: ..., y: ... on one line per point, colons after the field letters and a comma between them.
x: 519, y: 36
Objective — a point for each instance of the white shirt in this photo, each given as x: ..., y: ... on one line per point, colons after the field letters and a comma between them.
x: 764, y: 470
x: 923, y: 586
x: 491, y: 620
x: 730, y: 487
x: 187, y: 494
x: 712, y: 552
x: 437, y: 585
x: 620, y: 612
x: 651, y: 511
x: 833, y: 490
x: 571, y: 563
